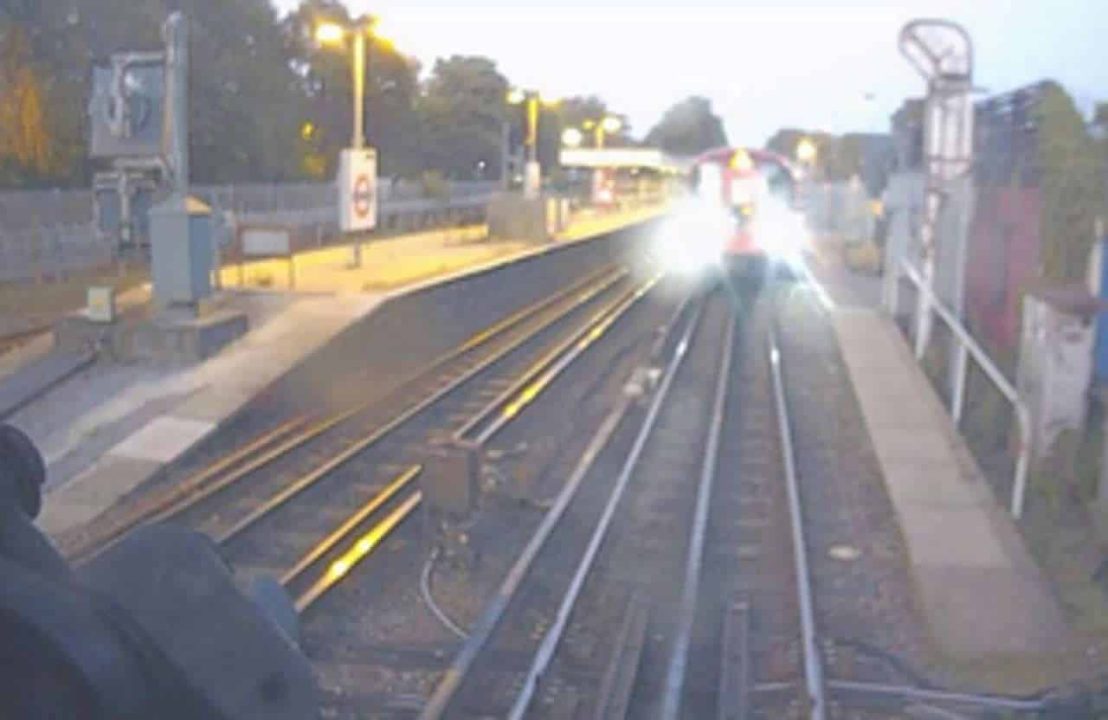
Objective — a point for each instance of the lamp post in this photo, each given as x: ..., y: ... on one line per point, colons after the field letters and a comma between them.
x: 601, y: 127
x: 601, y: 178
x: 335, y: 34
x: 532, y: 101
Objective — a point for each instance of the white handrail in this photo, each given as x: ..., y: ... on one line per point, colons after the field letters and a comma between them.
x: 966, y: 342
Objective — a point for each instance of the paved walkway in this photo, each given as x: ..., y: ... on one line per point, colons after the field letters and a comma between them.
x: 107, y: 430
x: 980, y: 591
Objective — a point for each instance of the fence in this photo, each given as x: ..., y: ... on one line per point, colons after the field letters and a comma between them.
x: 967, y: 347
x: 51, y: 233
x: 841, y: 209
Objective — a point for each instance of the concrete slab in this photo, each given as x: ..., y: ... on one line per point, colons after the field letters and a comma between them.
x: 981, y: 593
x: 934, y: 483
x: 950, y: 536
x: 163, y: 440
x: 965, y: 604
x: 895, y: 443
x: 86, y: 496
x: 896, y: 410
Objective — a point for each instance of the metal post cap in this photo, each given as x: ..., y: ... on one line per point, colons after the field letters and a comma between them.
x: 21, y: 461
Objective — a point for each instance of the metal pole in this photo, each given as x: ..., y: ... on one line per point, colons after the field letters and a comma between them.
x: 958, y: 373
x: 532, y: 127
x: 533, y: 172
x: 358, y: 140
x: 177, y: 60
x: 505, y: 153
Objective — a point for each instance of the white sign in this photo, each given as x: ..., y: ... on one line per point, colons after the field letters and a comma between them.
x: 357, y: 190
x: 616, y: 158
x: 101, y: 304
x: 265, y: 242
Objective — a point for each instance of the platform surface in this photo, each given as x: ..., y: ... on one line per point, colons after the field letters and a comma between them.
x: 112, y: 427
x: 980, y: 591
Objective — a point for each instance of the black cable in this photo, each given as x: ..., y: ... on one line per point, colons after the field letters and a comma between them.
x: 900, y: 665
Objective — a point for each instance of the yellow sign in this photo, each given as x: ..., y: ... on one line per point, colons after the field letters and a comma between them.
x: 740, y: 160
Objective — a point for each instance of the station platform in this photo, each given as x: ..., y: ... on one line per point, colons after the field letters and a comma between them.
x: 111, y: 427
x: 389, y: 263
x: 986, y: 603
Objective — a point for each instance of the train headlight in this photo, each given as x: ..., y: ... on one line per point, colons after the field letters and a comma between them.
x: 782, y: 233
x: 692, y: 237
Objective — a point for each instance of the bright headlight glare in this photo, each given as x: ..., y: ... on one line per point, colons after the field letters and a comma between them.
x: 781, y: 232
x: 692, y: 238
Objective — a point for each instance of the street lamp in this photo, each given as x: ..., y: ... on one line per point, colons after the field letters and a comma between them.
x: 532, y: 100
x: 606, y: 124
x: 806, y: 151
x: 358, y: 165
x: 334, y: 34
x: 572, y: 137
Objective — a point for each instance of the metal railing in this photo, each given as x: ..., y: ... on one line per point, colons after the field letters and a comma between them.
x: 966, y: 346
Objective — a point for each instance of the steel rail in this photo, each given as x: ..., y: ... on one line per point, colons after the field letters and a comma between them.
x: 444, y: 692
x: 301, y: 484
x: 553, y: 636
x: 678, y: 659
x: 813, y: 662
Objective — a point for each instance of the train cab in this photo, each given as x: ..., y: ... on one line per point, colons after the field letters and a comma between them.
x: 755, y: 190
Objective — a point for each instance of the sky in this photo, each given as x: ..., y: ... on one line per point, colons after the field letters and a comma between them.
x: 764, y: 66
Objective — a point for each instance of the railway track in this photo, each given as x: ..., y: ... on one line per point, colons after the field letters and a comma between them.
x: 673, y: 576
x: 244, y: 485
x: 613, y: 546
x: 670, y: 576
x: 309, y: 498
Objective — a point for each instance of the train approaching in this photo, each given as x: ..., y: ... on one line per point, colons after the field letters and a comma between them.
x: 741, y: 215
x: 756, y: 191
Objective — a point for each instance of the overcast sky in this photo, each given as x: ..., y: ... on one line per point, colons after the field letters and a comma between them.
x: 764, y: 65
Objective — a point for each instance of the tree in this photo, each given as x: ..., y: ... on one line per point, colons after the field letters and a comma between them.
x: 461, y: 112
x: 1071, y: 164
x: 25, y: 138
x: 245, y: 97
x: 688, y: 128
x: 325, y: 80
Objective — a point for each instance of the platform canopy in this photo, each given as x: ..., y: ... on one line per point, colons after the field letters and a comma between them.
x: 623, y: 158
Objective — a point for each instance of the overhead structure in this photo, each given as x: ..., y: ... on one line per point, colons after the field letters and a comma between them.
x: 942, y: 52
x: 622, y: 159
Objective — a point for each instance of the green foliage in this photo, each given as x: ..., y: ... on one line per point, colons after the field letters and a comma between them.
x: 25, y: 136
x: 838, y: 157
x: 461, y: 113
x: 1071, y: 164
x: 267, y: 103
x: 688, y: 128
x: 325, y: 81
x: 244, y: 99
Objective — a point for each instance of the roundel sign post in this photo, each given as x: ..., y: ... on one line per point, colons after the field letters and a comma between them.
x: 357, y: 185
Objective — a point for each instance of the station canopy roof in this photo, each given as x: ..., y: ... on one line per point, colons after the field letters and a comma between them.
x: 623, y: 158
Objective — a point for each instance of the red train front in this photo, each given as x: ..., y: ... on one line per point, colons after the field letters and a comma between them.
x: 755, y: 190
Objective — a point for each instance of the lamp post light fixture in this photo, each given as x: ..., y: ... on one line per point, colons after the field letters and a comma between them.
x: 358, y: 164
x: 572, y: 137
x: 333, y: 34
x: 532, y: 101
x: 806, y: 151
